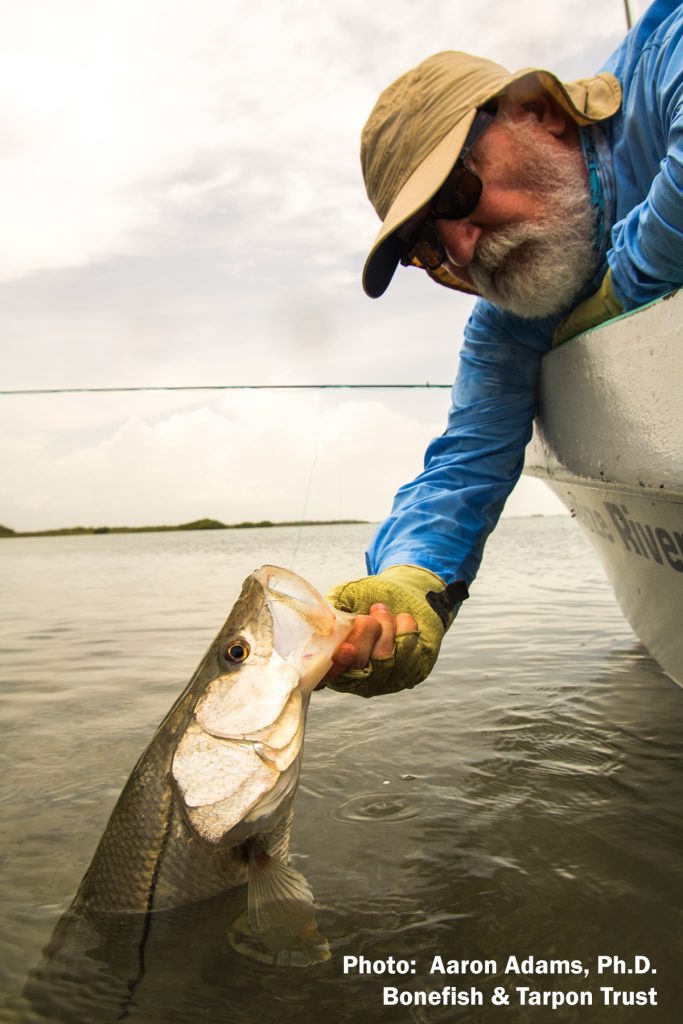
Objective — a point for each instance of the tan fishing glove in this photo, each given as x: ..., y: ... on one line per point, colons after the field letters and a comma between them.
x: 601, y: 306
x: 402, y: 588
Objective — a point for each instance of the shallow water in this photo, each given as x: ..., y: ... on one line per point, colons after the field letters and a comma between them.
x: 524, y: 801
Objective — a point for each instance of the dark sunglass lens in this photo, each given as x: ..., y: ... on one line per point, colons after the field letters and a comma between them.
x: 426, y: 250
x: 458, y: 196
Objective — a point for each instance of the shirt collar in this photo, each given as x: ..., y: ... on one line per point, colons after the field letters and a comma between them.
x: 598, y: 157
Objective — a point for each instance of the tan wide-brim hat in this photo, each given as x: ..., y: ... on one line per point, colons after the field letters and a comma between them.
x: 418, y: 126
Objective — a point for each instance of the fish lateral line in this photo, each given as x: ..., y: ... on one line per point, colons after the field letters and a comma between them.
x: 134, y: 983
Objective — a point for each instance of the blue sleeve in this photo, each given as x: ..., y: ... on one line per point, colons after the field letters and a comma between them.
x: 441, y: 520
x: 647, y: 242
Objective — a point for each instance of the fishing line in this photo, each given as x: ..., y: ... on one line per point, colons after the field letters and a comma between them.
x: 220, y: 387
x: 308, y: 489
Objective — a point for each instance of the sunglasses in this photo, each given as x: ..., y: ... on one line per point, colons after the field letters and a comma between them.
x: 455, y: 200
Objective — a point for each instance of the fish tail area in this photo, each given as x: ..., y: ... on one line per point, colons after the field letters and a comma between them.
x: 281, y: 911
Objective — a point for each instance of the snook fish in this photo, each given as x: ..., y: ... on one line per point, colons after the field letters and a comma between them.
x: 209, y: 805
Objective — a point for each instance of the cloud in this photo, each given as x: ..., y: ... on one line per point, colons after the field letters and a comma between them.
x: 119, y: 115
x: 246, y: 456
x: 182, y: 203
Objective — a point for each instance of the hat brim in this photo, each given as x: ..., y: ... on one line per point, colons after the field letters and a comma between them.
x: 423, y: 183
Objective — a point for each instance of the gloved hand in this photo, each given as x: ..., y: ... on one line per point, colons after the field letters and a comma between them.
x: 403, y: 588
x: 601, y: 306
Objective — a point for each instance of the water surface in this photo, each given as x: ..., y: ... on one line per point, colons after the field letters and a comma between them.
x: 525, y: 800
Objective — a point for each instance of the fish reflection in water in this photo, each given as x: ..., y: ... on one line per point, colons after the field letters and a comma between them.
x: 208, y: 807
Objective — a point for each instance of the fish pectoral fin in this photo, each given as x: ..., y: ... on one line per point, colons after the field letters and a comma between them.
x: 281, y: 911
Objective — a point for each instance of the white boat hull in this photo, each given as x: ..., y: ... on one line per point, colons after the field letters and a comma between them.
x: 608, y: 440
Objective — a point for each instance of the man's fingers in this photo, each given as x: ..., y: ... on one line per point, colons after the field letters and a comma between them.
x: 343, y: 658
x: 365, y: 633
x: 373, y: 636
x: 405, y: 623
x: 355, y: 651
x: 384, y: 645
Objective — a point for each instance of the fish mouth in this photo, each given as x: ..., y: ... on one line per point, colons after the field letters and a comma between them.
x: 307, y: 629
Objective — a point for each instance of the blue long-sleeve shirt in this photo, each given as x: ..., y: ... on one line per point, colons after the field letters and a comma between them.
x: 442, y: 518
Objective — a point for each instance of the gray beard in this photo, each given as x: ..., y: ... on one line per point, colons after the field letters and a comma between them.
x: 534, y: 269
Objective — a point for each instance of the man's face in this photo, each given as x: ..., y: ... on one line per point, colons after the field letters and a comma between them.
x: 528, y: 246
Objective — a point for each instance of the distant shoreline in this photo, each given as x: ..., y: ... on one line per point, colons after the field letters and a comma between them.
x: 198, y: 524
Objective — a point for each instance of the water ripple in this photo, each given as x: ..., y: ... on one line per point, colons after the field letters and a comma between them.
x: 377, y: 807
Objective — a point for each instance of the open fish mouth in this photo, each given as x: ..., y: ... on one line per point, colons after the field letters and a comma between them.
x: 306, y: 628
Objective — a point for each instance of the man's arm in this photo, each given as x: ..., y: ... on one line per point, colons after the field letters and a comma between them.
x: 442, y: 518
x: 645, y: 260
x: 431, y: 545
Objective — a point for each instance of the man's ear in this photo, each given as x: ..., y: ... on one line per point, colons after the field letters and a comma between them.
x: 526, y: 98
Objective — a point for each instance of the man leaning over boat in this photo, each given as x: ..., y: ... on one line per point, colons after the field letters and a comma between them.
x: 559, y: 205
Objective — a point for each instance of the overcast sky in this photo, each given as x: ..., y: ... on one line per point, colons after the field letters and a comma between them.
x: 181, y: 203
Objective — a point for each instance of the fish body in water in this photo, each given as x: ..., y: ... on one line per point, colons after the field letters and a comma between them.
x: 209, y: 805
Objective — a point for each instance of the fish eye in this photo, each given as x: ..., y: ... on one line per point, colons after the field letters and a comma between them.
x: 236, y: 651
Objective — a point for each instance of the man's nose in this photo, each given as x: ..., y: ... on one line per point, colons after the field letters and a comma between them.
x: 459, y: 238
